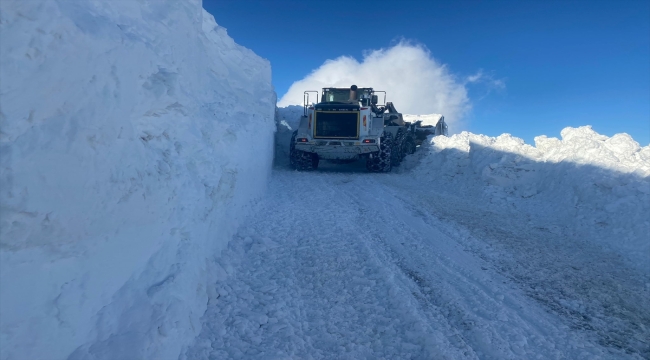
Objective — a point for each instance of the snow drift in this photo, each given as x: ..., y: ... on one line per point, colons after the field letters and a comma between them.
x: 127, y: 161
x: 597, y: 185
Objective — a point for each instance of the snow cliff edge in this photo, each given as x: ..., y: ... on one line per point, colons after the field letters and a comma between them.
x: 126, y: 164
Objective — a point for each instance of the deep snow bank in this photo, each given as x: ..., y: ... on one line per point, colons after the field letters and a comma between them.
x: 597, y: 185
x: 134, y: 134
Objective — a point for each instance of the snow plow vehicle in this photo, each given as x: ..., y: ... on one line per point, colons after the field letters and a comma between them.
x: 348, y: 124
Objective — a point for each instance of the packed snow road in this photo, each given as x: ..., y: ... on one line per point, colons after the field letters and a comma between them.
x: 354, y: 265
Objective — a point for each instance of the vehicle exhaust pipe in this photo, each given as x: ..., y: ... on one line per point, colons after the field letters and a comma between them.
x: 353, y: 93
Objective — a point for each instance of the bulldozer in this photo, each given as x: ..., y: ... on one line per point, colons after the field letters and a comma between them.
x: 349, y: 124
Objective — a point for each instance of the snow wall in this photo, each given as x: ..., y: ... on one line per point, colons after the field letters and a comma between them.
x: 596, y: 186
x: 134, y: 136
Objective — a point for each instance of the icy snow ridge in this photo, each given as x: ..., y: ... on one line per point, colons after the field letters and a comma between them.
x: 599, y: 185
x: 126, y: 164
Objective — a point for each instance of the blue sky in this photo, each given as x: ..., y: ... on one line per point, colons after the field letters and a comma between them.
x: 563, y: 63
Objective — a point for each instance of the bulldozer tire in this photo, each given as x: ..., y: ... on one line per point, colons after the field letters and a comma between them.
x: 409, y: 145
x: 398, y: 148
x: 301, y: 160
x: 304, y: 161
x: 382, y: 160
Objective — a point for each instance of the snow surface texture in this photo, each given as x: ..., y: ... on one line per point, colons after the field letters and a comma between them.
x: 328, y: 271
x: 599, y: 185
x: 127, y: 162
x: 344, y: 276
x: 442, y: 258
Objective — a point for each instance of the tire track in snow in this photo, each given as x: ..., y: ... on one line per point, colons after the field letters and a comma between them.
x: 591, y: 290
x: 339, y: 265
x: 335, y: 299
x: 450, y: 283
x: 432, y: 341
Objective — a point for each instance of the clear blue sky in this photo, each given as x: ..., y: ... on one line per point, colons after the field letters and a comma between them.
x: 564, y: 63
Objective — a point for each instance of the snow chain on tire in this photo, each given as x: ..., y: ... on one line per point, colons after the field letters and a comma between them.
x: 381, y: 161
x: 301, y: 160
x: 409, y: 145
x: 398, y: 148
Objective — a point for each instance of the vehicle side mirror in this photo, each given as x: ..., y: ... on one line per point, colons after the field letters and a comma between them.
x: 374, y: 100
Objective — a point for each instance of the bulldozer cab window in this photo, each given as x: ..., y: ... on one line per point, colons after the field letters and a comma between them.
x: 343, y: 95
x: 337, y: 95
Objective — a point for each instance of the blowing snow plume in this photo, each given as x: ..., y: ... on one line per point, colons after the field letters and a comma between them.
x: 414, y: 81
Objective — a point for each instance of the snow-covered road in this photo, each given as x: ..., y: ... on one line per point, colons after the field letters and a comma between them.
x: 346, y: 264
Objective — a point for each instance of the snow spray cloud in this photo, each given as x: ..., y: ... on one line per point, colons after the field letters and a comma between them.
x: 414, y: 81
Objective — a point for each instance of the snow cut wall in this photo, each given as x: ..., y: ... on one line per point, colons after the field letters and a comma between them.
x: 134, y: 135
x: 594, y: 186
